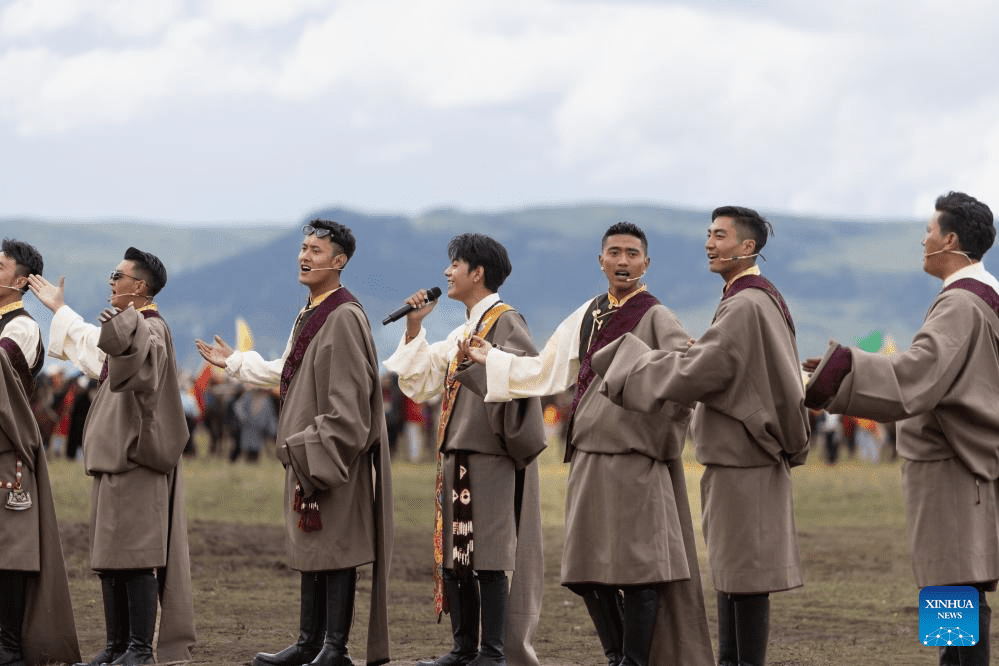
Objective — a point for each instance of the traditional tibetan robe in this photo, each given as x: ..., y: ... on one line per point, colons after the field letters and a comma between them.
x: 627, y: 519
x: 944, y: 393
x: 133, y: 438
x: 30, y: 535
x: 332, y: 440
x: 502, y: 441
x: 750, y: 426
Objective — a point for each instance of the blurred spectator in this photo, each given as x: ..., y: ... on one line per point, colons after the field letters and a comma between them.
x: 392, y: 404
x: 830, y: 428
x: 257, y: 421
x: 414, y: 428
x: 191, y: 414
x: 87, y: 388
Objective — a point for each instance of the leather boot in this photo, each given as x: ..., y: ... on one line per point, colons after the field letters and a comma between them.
x: 463, y: 602
x: 752, y: 627
x: 312, y: 625
x: 115, y: 597
x: 12, y: 591
x: 640, y: 606
x: 977, y: 654
x: 340, y: 587
x: 728, y: 647
x: 494, y: 593
x: 603, y: 605
x: 143, y: 595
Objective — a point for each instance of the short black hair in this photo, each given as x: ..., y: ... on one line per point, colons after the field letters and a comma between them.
x: 149, y: 268
x: 626, y: 229
x: 748, y: 224
x: 970, y: 219
x: 25, y: 256
x: 339, y: 235
x: 481, y: 250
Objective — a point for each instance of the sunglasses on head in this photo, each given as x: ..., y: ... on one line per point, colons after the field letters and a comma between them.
x: 320, y: 232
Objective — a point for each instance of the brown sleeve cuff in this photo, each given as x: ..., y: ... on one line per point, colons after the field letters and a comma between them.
x: 828, y: 378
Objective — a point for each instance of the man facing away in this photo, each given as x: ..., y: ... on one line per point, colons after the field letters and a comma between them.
x: 32, y: 570
x: 750, y: 427
x: 488, y: 510
x: 639, y: 578
x: 133, y: 439
x: 944, y: 390
x: 332, y: 440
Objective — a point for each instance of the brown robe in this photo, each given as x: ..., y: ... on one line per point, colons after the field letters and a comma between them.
x: 504, y: 439
x: 628, y: 520
x: 332, y: 438
x: 133, y: 439
x: 751, y: 423
x: 31, y: 537
x: 944, y: 391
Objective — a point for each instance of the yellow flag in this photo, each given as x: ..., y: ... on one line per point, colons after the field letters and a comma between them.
x: 244, y: 339
x: 889, y: 346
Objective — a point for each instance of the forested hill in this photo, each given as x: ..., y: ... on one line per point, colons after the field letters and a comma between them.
x: 841, y: 278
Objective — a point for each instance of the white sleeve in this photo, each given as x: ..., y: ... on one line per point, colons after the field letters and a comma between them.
x: 250, y: 367
x: 24, y: 332
x: 421, y: 366
x: 552, y: 371
x: 72, y: 339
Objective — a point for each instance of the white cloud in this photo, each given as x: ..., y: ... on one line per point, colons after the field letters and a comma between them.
x: 133, y: 18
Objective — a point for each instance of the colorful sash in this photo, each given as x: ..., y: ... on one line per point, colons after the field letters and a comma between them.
x: 461, y: 491
x: 980, y: 289
x: 308, y: 507
x: 148, y: 314
x: 760, y: 282
x: 623, y: 320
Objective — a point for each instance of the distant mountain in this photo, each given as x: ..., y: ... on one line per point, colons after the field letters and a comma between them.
x: 842, y: 278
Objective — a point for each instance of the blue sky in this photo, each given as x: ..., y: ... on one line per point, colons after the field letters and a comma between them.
x: 261, y: 111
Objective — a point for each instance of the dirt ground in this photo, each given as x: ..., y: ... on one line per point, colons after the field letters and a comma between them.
x: 246, y: 599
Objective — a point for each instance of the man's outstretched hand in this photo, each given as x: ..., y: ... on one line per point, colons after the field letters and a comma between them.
x: 51, y: 296
x: 217, y: 353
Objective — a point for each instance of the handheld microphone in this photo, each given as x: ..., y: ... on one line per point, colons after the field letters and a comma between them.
x: 432, y: 294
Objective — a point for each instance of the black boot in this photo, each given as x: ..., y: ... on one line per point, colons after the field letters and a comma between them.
x: 977, y: 654
x: 340, y: 587
x: 752, y: 627
x: 640, y: 606
x: 728, y: 647
x: 12, y: 591
x: 312, y: 625
x: 463, y: 602
x: 143, y: 594
x: 494, y: 595
x: 115, y: 597
x: 603, y: 604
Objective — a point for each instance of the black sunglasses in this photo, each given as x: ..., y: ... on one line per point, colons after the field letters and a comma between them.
x: 117, y: 275
x: 320, y: 232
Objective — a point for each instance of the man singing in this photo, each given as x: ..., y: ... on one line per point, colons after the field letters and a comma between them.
x: 332, y: 440
x: 944, y: 391
x: 132, y: 443
x: 32, y: 570
x: 488, y: 511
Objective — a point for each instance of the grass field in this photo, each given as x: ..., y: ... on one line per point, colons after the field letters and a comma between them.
x: 858, y: 605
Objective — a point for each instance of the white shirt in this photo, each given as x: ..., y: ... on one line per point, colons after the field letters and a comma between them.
x: 421, y: 366
x: 552, y: 371
x: 72, y: 339
x: 250, y: 367
x: 975, y: 271
x: 25, y: 333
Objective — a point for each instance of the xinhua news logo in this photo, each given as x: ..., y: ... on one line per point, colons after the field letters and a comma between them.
x: 948, y: 615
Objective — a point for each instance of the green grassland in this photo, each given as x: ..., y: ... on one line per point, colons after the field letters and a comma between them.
x: 858, y: 605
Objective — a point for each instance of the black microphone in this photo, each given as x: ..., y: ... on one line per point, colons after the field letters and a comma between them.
x: 432, y: 295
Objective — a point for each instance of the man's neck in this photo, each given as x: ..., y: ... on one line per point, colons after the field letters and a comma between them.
x: 621, y: 294
x: 954, y: 265
x: 315, y: 291
x: 473, y: 300
x: 9, y: 298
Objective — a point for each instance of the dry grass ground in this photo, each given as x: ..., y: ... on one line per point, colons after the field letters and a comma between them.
x: 859, y: 603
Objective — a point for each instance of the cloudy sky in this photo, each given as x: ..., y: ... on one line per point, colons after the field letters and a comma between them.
x: 262, y: 110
